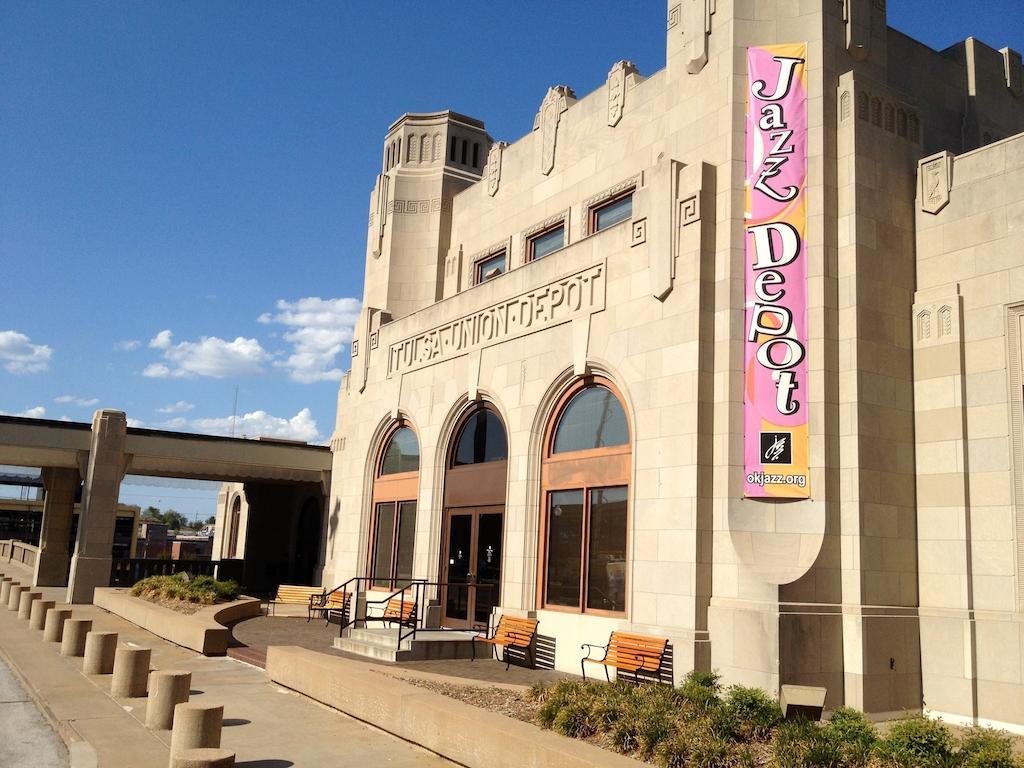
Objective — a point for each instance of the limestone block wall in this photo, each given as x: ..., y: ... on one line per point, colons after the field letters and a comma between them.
x: 970, y: 272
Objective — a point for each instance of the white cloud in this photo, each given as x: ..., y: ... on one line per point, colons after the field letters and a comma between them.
x: 318, y: 330
x: 161, y: 341
x: 20, y: 355
x: 38, y: 412
x: 301, y: 426
x: 127, y: 345
x: 83, y: 402
x: 135, y: 422
x: 179, y: 407
x: 210, y: 356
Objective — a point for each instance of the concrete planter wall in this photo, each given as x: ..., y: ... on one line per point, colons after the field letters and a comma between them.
x: 460, y: 732
x: 204, y: 631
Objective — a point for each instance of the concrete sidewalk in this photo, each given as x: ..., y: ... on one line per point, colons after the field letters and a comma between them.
x: 265, y: 725
x: 26, y: 739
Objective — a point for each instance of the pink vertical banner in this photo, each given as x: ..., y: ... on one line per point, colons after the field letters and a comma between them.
x: 775, y: 403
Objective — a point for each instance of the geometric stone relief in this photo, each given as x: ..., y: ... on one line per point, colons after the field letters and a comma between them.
x: 617, y: 76
x: 673, y: 16
x: 924, y: 325
x: 695, y: 18
x: 857, y: 15
x: 845, y: 106
x: 420, y: 206
x: 540, y: 226
x: 1014, y: 71
x: 891, y: 114
x: 556, y: 101
x: 639, y: 236
x: 689, y: 209
x: 494, y: 166
x: 936, y: 175
x: 862, y: 105
x: 945, y: 322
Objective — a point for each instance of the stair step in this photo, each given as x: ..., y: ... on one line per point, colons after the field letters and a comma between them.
x: 382, y: 645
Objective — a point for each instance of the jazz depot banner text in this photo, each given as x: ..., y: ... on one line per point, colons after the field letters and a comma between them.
x: 775, y: 400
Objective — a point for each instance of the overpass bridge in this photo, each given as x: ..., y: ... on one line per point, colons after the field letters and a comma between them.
x: 97, y: 456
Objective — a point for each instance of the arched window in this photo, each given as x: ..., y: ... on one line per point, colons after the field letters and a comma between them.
x: 393, y: 519
x: 481, y: 440
x: 585, y: 477
x: 234, y: 521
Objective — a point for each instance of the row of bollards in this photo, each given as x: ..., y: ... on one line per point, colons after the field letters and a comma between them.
x: 195, y: 728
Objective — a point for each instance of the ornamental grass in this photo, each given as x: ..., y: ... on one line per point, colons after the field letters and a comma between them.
x: 204, y: 590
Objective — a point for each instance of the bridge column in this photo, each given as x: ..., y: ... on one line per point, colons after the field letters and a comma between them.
x: 52, y: 562
x: 90, y: 565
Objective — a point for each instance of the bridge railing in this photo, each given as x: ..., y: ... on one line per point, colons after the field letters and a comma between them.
x: 124, y: 572
x: 13, y: 551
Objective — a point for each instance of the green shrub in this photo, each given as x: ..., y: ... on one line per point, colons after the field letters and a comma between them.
x: 700, y: 691
x: 560, y: 695
x: 201, y: 589
x: 850, y: 726
x: 985, y: 748
x: 791, y: 741
x: 917, y: 742
x: 576, y: 719
x: 753, y: 713
x: 708, y: 750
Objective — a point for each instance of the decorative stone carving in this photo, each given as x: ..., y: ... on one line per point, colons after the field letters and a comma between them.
x: 355, y: 347
x: 924, y: 325
x: 617, y: 89
x: 845, y: 106
x: 862, y: 105
x: 639, y: 232
x: 540, y: 226
x: 936, y: 180
x: 945, y: 322
x: 420, y: 206
x: 382, y: 207
x: 696, y: 21
x: 689, y: 209
x: 558, y: 99
x: 673, y: 16
x: 857, y: 15
x: 581, y: 293
x: 1014, y: 70
x: 494, y: 166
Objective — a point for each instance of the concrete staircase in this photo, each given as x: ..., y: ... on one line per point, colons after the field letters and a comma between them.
x: 381, y: 644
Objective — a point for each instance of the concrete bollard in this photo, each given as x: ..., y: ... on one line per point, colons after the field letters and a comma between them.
x: 72, y: 642
x: 167, y: 689
x: 14, y: 596
x: 53, y: 624
x: 131, y: 673
x: 203, y: 758
x: 99, y: 653
x: 5, y: 590
x: 25, y: 603
x: 195, y: 726
x: 37, y: 618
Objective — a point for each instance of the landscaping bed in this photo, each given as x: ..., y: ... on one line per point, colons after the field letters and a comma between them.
x: 185, y: 594
x: 701, y: 725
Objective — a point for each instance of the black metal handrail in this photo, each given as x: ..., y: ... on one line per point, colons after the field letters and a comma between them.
x: 422, y: 592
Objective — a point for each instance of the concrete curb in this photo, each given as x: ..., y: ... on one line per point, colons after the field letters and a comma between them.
x: 452, y: 729
x: 80, y: 753
x: 204, y: 631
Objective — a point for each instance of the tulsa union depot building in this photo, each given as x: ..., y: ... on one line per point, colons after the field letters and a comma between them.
x: 728, y: 353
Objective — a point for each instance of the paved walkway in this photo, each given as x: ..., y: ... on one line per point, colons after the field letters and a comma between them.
x: 267, y: 726
x: 253, y: 636
x: 26, y: 739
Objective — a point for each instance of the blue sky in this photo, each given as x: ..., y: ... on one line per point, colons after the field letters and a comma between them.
x: 184, y: 191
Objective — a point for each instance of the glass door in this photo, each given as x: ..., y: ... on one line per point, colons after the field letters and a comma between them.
x: 472, y: 566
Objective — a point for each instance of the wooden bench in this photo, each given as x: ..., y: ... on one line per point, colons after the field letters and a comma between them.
x: 332, y: 602
x: 636, y: 654
x: 402, y: 611
x: 292, y: 594
x: 511, y: 632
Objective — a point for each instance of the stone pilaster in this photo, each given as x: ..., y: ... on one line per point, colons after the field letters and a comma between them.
x: 90, y: 565
x: 58, y: 506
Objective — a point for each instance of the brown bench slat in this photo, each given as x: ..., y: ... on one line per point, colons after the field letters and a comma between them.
x: 631, y: 653
x: 511, y: 631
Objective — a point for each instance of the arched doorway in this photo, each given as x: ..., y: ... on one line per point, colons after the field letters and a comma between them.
x: 474, y: 514
x: 393, y: 514
x: 307, y: 542
x: 585, y: 492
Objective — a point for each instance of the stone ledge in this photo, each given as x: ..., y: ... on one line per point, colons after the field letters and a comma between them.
x: 203, y: 631
x: 457, y: 731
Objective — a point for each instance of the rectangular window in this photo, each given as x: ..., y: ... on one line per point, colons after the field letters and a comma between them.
x: 611, y: 213
x: 543, y: 243
x: 489, y: 267
x: 565, y: 540
x: 393, y: 543
x: 586, y: 549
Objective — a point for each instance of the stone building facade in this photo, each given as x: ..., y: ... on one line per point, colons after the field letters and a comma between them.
x: 548, y: 385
